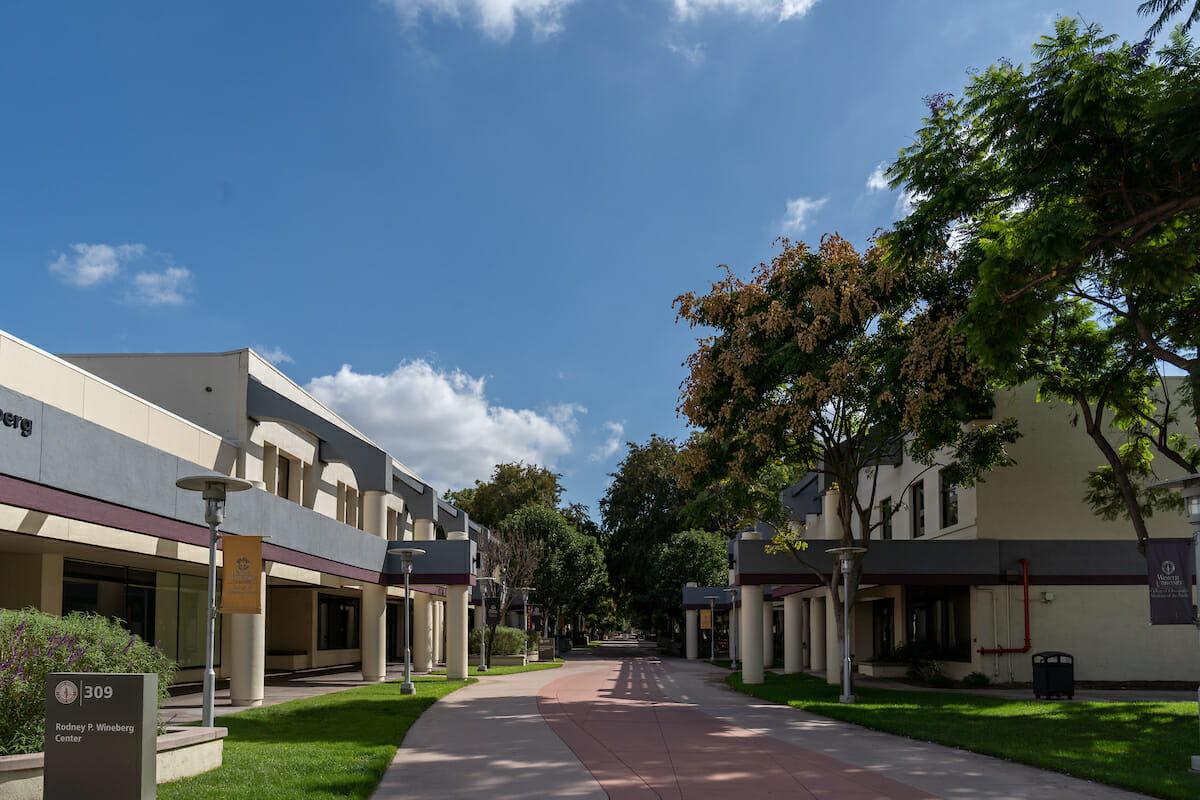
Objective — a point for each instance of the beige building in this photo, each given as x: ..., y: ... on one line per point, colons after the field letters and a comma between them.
x: 984, y: 577
x: 91, y: 519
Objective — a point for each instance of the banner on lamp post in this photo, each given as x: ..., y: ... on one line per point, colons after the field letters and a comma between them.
x: 705, y: 619
x: 1169, y: 573
x: 241, y: 574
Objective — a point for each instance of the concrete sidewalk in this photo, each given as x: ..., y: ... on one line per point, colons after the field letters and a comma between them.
x: 635, y: 726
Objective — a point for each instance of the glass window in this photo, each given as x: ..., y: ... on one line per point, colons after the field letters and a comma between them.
x: 918, y: 509
x: 939, y: 619
x: 949, y: 494
x: 337, y: 622
x: 885, y: 518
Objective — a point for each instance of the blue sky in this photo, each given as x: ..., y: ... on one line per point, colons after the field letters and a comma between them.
x: 459, y: 222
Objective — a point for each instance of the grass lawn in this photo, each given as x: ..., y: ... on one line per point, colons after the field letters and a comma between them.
x: 1146, y: 747
x: 332, y: 746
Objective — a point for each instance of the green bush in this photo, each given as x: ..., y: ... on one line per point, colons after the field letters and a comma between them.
x: 508, y: 642
x: 33, y: 644
x: 976, y: 680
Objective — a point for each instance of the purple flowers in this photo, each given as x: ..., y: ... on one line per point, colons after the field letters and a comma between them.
x: 1141, y: 48
x: 936, y: 102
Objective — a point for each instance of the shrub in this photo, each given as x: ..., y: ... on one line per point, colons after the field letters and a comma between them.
x: 976, y: 680
x: 508, y: 641
x: 33, y: 644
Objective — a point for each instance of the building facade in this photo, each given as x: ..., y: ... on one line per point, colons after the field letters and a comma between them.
x: 980, y: 577
x: 91, y: 519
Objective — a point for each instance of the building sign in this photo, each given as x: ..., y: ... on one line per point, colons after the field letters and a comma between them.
x: 705, y: 619
x: 241, y: 574
x: 1169, y: 573
x: 19, y: 424
x: 100, y: 736
x: 491, y: 611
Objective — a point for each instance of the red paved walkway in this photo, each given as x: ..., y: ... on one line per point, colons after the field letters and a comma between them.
x: 639, y: 744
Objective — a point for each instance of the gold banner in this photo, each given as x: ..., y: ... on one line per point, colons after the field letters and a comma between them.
x: 241, y: 574
x: 705, y: 619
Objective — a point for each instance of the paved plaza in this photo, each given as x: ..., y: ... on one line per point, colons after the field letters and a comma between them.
x: 618, y: 722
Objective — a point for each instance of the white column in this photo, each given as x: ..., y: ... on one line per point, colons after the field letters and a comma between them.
x: 816, y: 634
x: 793, y: 633
x: 439, y: 631
x: 768, y: 632
x: 248, y: 652
x: 693, y: 633
x: 751, y: 631
x: 456, y: 632
x: 833, y: 653
x: 374, y: 596
x: 422, y: 633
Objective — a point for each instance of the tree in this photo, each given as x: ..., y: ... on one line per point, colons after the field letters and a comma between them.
x: 1071, y: 192
x: 512, y: 487
x: 641, y: 508
x: 511, y: 559
x: 686, y: 556
x: 833, y: 361
x: 1165, y: 10
x: 570, y: 575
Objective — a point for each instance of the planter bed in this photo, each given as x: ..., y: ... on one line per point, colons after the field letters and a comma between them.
x: 182, y: 751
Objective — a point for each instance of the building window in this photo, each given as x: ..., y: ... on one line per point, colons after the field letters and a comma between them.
x: 337, y: 622
x: 283, y: 476
x: 939, y: 621
x: 917, y: 493
x: 885, y: 518
x: 949, y: 495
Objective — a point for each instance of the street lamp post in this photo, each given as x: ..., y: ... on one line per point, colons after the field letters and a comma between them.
x: 712, y: 626
x: 733, y: 626
x: 1189, y: 489
x: 483, y: 630
x: 406, y: 560
x: 846, y: 555
x: 214, y: 489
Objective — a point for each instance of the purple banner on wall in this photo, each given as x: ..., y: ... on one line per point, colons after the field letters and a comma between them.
x: 1169, y: 573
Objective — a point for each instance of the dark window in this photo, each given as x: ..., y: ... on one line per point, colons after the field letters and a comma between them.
x: 283, y: 476
x: 949, y: 502
x: 918, y: 509
x: 881, y: 627
x: 939, y: 621
x: 337, y: 622
x: 885, y: 518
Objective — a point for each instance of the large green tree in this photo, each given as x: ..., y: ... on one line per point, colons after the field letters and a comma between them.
x: 834, y: 361
x: 513, y: 486
x: 570, y: 576
x: 1070, y: 191
x: 686, y: 556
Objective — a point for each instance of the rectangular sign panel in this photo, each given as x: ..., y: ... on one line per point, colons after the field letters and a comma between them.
x: 705, y: 619
x: 241, y: 574
x: 1169, y: 573
x: 491, y: 611
x: 100, y: 735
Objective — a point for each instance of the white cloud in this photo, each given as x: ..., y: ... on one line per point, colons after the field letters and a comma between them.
x: 800, y: 212
x: 780, y: 9
x: 273, y: 355
x: 496, y: 18
x: 441, y: 423
x: 161, y: 288
x: 693, y: 54
x: 94, y: 263
x: 877, y: 181
x: 616, y: 432
x: 907, y: 202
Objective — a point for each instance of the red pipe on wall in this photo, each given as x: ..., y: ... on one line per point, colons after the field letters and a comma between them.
x: 987, y: 651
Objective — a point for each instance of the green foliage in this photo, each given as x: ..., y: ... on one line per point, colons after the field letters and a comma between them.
x: 686, y: 556
x: 1145, y: 747
x: 1167, y: 9
x: 33, y: 644
x: 321, y: 748
x: 976, y: 680
x: 1070, y: 191
x: 511, y: 488
x: 571, y: 573
x: 507, y: 642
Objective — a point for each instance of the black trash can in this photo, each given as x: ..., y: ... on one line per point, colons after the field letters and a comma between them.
x: 1053, y: 675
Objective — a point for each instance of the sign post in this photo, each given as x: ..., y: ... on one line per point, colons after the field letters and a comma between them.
x: 101, y: 731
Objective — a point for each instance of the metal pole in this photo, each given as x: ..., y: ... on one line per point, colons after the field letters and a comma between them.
x: 846, y: 697
x: 407, y: 687
x: 712, y: 629
x: 210, y: 675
